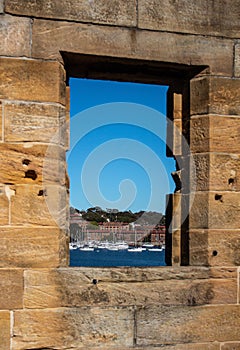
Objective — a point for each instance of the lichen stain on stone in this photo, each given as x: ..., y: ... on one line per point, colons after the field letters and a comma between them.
x: 94, y: 295
x: 198, y: 294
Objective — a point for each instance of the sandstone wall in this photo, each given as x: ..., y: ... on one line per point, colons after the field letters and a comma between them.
x: 195, y: 48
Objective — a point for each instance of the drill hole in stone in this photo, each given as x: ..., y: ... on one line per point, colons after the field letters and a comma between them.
x: 31, y: 174
x: 231, y: 181
x: 218, y: 197
x: 42, y: 193
x: 26, y: 161
x: 215, y: 253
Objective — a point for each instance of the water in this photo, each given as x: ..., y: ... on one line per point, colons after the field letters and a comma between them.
x: 103, y: 257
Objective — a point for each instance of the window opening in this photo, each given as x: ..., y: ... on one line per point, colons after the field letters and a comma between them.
x: 119, y: 173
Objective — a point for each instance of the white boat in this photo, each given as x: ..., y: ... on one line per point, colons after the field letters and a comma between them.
x: 135, y: 250
x: 112, y: 247
x: 148, y: 245
x: 155, y: 250
x: 122, y: 245
x: 103, y: 245
x: 87, y: 249
x: 72, y: 246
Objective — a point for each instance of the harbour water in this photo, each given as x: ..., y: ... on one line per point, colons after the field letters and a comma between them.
x: 108, y: 258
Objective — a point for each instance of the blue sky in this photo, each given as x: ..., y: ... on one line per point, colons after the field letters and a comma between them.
x: 117, y: 156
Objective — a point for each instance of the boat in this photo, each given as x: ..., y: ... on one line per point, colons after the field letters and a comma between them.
x: 73, y: 246
x: 122, y: 245
x: 148, y: 245
x: 155, y: 250
x: 135, y: 250
x: 112, y: 247
x: 87, y: 249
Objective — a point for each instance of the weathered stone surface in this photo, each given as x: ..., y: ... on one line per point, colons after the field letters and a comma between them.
x: 199, y: 95
x: 198, y: 208
x: 173, y: 324
x: 225, y: 96
x: 215, y: 133
x: 192, y: 346
x: 217, y: 171
x: 200, y: 134
x: 224, y: 205
x: 15, y: 36
x: 67, y: 130
x: 37, y: 205
x: 33, y: 122
x: 116, y: 12
x: 32, y: 164
x: 66, y: 287
x: 208, y: 210
x: 4, y: 205
x: 31, y: 80
x: 76, y: 328
x: 215, y: 247
x: 215, y: 95
x: 237, y: 61
x: 50, y: 37
x: 207, y: 18
x: 5, y: 330
x: 32, y: 247
x: 224, y: 172
x: 230, y: 346
x: 11, y: 289
x: 1, y: 6
x: 1, y: 122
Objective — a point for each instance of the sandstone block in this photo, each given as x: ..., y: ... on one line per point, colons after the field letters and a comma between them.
x: 31, y: 80
x: 225, y: 96
x: 217, y: 171
x: 215, y: 133
x: 237, y: 61
x: 192, y: 346
x: 1, y: 122
x: 76, y: 328
x: 224, y: 210
x: 177, y: 106
x: 201, y: 167
x: 177, y: 137
x: 85, y: 275
x: 15, y: 35
x: 67, y: 131
x: 37, y: 205
x: 5, y: 330
x: 176, y: 324
x: 50, y: 37
x: 67, y: 288
x: 214, y: 247
x: 4, y: 205
x: 197, y: 18
x: 199, y: 95
x: 215, y: 210
x: 197, y: 206
x: 231, y: 346
x: 32, y: 164
x: 200, y: 134
x: 215, y: 95
x: 31, y: 247
x: 116, y: 12
x: 11, y: 289
x: 1, y: 6
x: 33, y: 122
